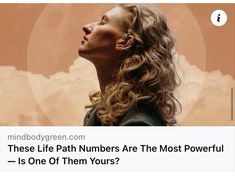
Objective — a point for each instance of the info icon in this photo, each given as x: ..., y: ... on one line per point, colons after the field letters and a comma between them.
x: 218, y: 17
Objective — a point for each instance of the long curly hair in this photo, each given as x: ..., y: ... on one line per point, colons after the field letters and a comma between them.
x: 146, y: 74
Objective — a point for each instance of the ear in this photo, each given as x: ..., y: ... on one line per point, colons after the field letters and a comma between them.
x: 125, y: 42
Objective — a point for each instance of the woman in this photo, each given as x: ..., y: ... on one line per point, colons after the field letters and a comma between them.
x: 131, y: 48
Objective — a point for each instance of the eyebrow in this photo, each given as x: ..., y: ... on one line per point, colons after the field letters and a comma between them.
x: 105, y: 17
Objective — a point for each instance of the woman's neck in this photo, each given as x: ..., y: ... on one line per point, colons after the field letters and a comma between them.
x: 105, y: 73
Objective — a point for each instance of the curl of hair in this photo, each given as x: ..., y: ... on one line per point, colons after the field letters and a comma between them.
x: 146, y: 75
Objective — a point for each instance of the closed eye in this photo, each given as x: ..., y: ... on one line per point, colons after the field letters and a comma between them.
x: 103, y: 20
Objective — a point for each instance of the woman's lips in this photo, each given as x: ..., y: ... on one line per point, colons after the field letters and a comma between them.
x: 84, y: 40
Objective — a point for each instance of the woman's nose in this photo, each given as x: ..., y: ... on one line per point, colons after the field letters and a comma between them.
x: 87, y: 28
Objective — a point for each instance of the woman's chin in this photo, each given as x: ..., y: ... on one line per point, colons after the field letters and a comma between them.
x: 82, y: 53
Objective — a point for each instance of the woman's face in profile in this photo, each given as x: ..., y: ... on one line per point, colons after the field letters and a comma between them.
x: 100, y: 37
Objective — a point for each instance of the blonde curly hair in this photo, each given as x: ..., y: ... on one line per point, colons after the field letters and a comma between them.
x: 147, y: 73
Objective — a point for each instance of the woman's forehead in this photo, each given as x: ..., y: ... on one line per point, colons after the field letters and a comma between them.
x: 119, y: 17
x: 116, y: 13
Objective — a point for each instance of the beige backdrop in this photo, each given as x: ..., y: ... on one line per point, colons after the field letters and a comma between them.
x: 44, y: 82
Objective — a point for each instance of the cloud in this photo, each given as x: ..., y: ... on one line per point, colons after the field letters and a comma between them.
x: 205, y: 96
x: 32, y: 99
